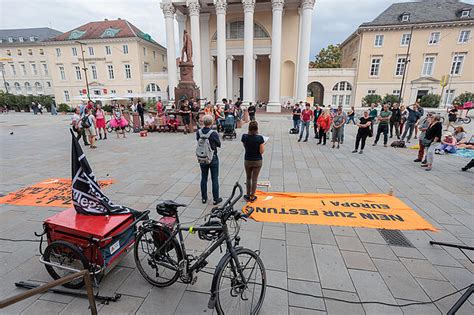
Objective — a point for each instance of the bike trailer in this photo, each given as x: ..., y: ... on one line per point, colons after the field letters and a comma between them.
x: 102, y: 239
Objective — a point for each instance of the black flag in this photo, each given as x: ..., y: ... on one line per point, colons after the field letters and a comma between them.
x: 87, y: 197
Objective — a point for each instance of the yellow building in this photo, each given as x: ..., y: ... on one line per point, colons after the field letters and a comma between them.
x: 117, y: 56
x: 420, y: 43
x: 24, y: 61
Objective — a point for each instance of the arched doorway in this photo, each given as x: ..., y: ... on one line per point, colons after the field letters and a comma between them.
x: 316, y: 90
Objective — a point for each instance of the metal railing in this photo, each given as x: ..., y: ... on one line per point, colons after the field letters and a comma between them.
x: 44, y: 288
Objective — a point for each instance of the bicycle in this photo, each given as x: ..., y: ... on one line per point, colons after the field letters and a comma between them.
x: 459, y: 120
x: 239, y: 280
x: 110, y: 129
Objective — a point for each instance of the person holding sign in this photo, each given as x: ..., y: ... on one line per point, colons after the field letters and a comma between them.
x: 254, y: 145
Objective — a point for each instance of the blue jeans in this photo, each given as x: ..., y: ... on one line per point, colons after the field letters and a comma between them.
x: 349, y: 119
x: 214, y: 167
x: 296, y: 124
x: 305, y: 125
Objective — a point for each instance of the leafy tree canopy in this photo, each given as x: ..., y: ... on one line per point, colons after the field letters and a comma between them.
x: 329, y: 57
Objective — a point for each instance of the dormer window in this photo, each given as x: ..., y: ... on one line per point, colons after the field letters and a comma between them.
x: 32, y: 39
x: 21, y: 39
x: 10, y: 39
x: 405, y: 17
x: 465, y: 13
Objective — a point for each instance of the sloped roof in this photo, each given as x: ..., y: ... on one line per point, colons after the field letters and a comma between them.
x: 119, y: 28
x: 423, y: 11
x: 40, y: 34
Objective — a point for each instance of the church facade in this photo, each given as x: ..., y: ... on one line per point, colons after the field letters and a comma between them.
x: 248, y: 49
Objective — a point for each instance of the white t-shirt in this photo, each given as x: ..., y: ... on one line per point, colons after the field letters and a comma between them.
x: 75, y: 118
x: 150, y: 120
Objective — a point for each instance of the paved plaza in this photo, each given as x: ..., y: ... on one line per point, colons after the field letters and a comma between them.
x: 354, y: 264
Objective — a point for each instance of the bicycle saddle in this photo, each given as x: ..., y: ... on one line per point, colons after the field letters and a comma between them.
x: 168, y: 208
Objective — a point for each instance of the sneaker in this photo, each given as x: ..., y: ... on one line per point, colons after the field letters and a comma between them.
x: 216, y: 202
x: 424, y: 162
x: 355, y: 151
x: 361, y: 151
x: 374, y: 144
x: 417, y: 160
x: 415, y: 137
x: 464, y: 169
x: 408, y: 141
x: 333, y: 146
x: 253, y: 198
x: 299, y: 140
x: 204, y: 200
x: 338, y: 146
x: 385, y: 145
x: 247, y: 198
x: 428, y: 169
x: 305, y: 140
x: 424, y: 165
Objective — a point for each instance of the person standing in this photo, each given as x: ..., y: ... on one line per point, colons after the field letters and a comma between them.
x: 452, y: 117
x: 339, y: 121
x: 432, y: 139
x: 185, y: 113
x: 76, y: 124
x: 195, y: 106
x: 141, y: 113
x: 324, y: 123
x: 100, y: 122
x: 254, y: 145
x: 89, y: 125
x: 251, y: 110
x: 317, y: 112
x: 383, y: 120
x: 363, y: 132
x: 159, y: 106
x: 34, y: 108
x: 306, y: 117
x: 421, y: 140
x: 372, y: 115
x: 403, y: 117
x: 296, y: 117
x: 413, y: 117
x: 54, y: 110
x: 351, y: 116
x: 214, y: 142
x: 395, y: 120
x: 422, y: 112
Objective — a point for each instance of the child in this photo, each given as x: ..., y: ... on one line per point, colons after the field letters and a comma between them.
x: 173, y: 124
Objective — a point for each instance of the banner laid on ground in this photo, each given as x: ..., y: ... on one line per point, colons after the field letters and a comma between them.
x: 377, y: 211
x: 54, y: 192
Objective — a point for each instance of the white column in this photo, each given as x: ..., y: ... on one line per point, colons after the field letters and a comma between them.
x: 181, y: 18
x: 193, y: 9
x: 206, y: 65
x: 275, y: 60
x: 168, y: 12
x: 255, y: 79
x: 221, y: 8
x: 249, y: 66
x: 230, y: 66
x: 303, y: 60
x: 295, y: 86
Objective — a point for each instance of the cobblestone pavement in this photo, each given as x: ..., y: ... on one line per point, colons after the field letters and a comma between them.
x: 354, y: 264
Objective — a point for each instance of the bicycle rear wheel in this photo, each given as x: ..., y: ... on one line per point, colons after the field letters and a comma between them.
x: 467, y: 120
x: 157, y: 264
x: 241, y: 296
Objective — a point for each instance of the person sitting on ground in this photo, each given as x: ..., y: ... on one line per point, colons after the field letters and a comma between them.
x: 150, y: 122
x: 172, y: 123
x: 448, y: 144
x: 254, y: 145
x: 161, y: 123
x: 460, y: 135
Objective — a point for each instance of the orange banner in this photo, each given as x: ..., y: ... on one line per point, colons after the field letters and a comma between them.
x: 377, y: 211
x: 54, y: 192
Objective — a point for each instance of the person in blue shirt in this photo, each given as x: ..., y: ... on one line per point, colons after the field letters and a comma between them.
x: 215, y: 143
x: 413, y: 116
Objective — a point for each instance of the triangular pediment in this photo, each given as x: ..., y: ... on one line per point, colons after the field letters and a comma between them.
x: 428, y: 80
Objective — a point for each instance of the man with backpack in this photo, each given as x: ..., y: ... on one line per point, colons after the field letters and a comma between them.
x: 206, y: 153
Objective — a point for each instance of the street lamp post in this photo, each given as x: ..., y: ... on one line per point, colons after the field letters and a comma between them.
x: 407, y: 60
x: 84, y: 68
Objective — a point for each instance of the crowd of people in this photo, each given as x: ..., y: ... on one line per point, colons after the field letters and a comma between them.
x: 391, y: 120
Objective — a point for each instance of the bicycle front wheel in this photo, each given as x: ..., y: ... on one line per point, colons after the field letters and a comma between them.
x: 241, y: 284
x: 467, y: 120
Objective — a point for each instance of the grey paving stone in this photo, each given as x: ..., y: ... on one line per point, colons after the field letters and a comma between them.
x: 343, y: 230
x: 349, y: 243
x: 439, y: 257
x: 301, y: 264
x: 135, y: 285
x: 407, y: 252
x: 369, y: 235
x: 273, y: 253
x: 422, y: 269
x: 276, y: 301
x: 298, y: 239
x: 342, y: 308
x: 44, y: 307
x: 313, y: 288
x: 380, y: 251
x: 193, y: 303
x: 357, y: 260
x: 399, y: 280
x: 304, y: 311
x: 79, y: 306
x: 418, y: 309
x: 330, y: 263
x: 321, y: 234
x: 459, y: 277
x: 371, y: 287
x: 300, y: 228
x: 273, y: 232
x: 163, y: 300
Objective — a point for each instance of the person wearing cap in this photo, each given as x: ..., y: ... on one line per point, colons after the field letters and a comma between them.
x: 339, y: 120
x: 306, y: 118
x: 421, y: 140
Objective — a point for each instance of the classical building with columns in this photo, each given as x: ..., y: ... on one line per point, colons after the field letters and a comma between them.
x: 257, y: 50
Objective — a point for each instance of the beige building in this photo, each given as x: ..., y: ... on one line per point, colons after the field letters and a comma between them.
x: 415, y: 42
x: 117, y: 56
x: 24, y: 61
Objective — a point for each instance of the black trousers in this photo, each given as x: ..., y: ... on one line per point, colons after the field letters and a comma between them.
x: 382, y: 128
x: 360, y: 139
x: 470, y: 164
x: 142, y: 118
x: 322, y: 136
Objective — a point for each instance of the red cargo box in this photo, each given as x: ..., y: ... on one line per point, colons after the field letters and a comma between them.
x: 102, y: 239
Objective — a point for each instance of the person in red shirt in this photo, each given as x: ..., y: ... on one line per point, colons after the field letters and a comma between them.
x: 324, y: 123
x: 306, y: 118
x: 159, y: 107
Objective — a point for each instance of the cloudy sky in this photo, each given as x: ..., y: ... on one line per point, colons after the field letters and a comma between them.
x: 333, y: 20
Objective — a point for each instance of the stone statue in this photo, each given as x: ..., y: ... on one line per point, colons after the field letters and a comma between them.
x: 187, y: 48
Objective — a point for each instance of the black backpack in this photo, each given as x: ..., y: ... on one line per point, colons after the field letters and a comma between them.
x: 85, y: 122
x: 398, y: 144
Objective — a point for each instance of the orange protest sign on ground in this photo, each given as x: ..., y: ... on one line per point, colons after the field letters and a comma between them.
x: 54, y: 192
x: 377, y: 211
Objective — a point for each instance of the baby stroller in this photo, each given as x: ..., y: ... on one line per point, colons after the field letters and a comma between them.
x: 229, y: 127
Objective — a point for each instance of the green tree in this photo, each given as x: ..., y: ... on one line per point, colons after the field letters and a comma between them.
x: 330, y: 57
x: 390, y: 98
x: 430, y: 100
x: 371, y: 98
x: 463, y: 98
